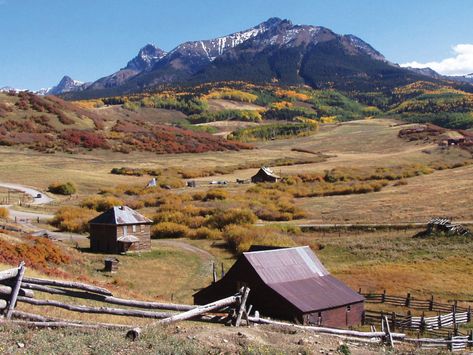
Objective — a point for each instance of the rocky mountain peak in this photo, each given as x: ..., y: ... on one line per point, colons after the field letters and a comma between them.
x: 146, y: 58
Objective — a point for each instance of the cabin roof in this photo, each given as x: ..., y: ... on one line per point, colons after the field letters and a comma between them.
x: 120, y: 215
x: 268, y: 172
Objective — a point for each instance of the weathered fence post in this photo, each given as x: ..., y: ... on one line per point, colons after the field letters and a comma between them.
x: 383, y: 297
x: 450, y: 344
x: 408, y: 300
x: 468, y: 315
x: 214, y: 273
x: 431, y: 303
x: 393, y: 320
x: 15, y: 290
x: 439, y: 320
x: 389, y: 337
x: 422, y: 323
x: 454, y: 318
x: 470, y: 339
x: 242, y: 309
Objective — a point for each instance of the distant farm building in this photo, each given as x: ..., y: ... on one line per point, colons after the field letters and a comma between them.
x: 118, y: 230
x: 289, y: 283
x: 264, y: 175
x: 152, y: 183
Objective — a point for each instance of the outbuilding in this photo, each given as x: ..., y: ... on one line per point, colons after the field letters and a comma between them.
x: 118, y: 230
x: 291, y: 284
x: 264, y: 175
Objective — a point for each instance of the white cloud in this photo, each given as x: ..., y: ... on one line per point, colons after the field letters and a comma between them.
x: 459, y: 64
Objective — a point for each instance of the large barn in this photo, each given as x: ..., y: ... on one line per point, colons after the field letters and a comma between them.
x: 118, y: 230
x: 292, y: 284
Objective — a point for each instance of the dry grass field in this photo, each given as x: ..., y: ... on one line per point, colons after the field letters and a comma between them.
x: 395, y: 261
x: 358, y: 144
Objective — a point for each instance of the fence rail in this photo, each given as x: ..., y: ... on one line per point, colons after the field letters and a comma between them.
x: 410, y: 302
x: 16, y: 288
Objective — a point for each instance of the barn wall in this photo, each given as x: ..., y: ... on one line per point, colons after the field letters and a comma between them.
x: 337, y: 317
x: 262, y: 177
x: 262, y: 297
x: 142, y: 232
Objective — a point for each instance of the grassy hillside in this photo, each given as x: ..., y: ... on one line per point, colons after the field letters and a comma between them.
x: 177, y: 120
x: 421, y: 101
x: 51, y: 124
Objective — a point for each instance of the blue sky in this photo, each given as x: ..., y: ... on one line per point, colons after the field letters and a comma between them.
x: 42, y: 40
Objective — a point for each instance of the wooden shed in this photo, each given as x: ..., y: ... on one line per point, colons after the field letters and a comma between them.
x: 291, y: 284
x: 264, y: 175
x: 118, y: 230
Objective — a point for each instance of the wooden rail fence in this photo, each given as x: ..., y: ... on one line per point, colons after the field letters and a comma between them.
x: 16, y: 288
x: 410, y: 302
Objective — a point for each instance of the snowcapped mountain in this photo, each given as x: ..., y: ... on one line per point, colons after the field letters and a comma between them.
x: 210, y: 49
x: 9, y: 88
x: 274, y: 50
x: 67, y: 84
x: 146, y: 58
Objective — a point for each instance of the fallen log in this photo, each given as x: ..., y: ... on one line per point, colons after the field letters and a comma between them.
x: 109, y: 299
x: 68, y: 284
x: 38, y: 318
x: 343, y: 332
x: 63, y: 324
x: 7, y: 290
x: 98, y: 310
x: 8, y: 274
x: 133, y: 334
x: 201, y: 310
x: 438, y: 341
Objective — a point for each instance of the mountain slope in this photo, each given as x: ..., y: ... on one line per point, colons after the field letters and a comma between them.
x: 146, y: 58
x: 275, y: 50
x: 48, y: 123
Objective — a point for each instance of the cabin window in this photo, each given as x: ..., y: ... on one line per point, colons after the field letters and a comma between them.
x: 348, y: 308
x: 125, y: 231
x: 133, y: 228
x: 142, y: 228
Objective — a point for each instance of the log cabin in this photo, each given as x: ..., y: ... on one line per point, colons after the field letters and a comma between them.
x: 118, y: 230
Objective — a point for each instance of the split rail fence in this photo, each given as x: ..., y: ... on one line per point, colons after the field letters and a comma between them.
x: 16, y: 288
x: 410, y: 302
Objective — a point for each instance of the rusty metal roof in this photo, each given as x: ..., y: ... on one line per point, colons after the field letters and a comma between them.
x: 269, y: 172
x: 120, y: 215
x: 299, y: 276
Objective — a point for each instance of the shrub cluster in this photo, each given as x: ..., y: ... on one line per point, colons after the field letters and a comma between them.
x: 58, y: 188
x: 274, y: 131
x: 73, y: 219
x: 241, y: 238
x: 38, y: 253
x: 4, y: 213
